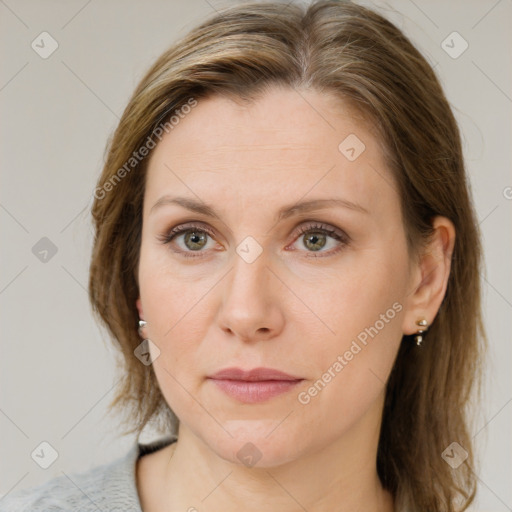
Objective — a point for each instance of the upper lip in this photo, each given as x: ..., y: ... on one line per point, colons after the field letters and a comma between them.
x: 255, y: 374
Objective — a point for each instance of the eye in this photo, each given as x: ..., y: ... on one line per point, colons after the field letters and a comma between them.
x: 193, y: 237
x: 315, y: 237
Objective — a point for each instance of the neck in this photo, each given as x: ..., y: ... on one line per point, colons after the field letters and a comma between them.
x: 341, y: 476
x: 315, y: 483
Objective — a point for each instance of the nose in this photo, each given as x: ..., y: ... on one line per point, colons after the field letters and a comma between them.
x: 251, y: 304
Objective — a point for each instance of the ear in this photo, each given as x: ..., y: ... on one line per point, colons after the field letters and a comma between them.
x: 429, y: 276
x: 139, y: 308
x: 142, y: 330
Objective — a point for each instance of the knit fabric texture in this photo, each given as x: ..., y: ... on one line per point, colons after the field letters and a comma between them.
x: 109, y: 487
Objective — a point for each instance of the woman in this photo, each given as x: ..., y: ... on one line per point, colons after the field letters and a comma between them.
x: 287, y: 256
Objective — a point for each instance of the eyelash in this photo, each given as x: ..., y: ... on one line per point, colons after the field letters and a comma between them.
x: 314, y: 227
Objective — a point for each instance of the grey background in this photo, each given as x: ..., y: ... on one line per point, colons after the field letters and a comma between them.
x: 57, y: 368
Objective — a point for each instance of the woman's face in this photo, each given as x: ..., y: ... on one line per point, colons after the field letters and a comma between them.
x: 299, y: 264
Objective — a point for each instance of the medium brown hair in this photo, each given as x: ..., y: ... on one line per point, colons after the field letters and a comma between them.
x: 354, y: 53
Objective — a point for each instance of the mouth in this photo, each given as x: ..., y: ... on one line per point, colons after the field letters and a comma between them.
x: 256, y: 385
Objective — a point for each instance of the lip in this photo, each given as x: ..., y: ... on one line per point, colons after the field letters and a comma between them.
x: 256, y: 374
x: 256, y: 385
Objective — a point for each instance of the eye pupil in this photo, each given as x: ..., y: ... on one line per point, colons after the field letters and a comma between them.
x: 197, y: 239
x: 314, y: 238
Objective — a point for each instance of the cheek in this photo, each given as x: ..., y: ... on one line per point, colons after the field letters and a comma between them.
x: 365, y: 289
x: 179, y: 313
x: 362, y: 305
x: 171, y: 293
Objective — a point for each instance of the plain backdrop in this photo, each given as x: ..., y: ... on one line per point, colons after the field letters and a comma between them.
x: 57, y: 368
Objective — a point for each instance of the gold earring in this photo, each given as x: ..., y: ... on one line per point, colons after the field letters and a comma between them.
x: 419, y: 333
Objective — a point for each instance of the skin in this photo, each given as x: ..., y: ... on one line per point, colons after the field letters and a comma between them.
x: 287, y: 309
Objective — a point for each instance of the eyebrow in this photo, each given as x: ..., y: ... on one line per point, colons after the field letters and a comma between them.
x: 284, y: 212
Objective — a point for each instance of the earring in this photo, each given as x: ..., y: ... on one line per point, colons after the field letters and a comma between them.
x: 142, y: 324
x: 419, y: 333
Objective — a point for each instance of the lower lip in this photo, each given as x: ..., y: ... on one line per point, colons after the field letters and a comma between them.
x: 255, y: 391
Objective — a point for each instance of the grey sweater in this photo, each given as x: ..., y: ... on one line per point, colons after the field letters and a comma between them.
x: 110, y: 487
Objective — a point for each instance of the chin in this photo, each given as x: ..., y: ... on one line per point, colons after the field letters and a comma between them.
x: 256, y: 443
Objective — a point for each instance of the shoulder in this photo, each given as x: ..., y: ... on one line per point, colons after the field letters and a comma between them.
x: 109, y: 487
x: 58, y: 494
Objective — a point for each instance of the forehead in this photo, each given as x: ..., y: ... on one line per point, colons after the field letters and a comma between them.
x: 286, y: 143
